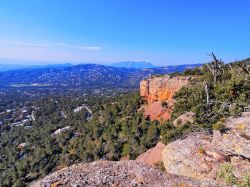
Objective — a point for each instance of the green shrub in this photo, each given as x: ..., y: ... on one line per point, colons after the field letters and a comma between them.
x: 219, y: 126
x: 160, y: 165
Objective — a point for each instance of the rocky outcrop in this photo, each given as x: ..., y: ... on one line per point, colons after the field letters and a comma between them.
x: 183, y: 119
x: 59, y: 131
x: 161, y: 88
x: 153, y: 155
x: 236, y: 141
x: 156, y: 90
x: 155, y: 111
x: 121, y: 173
x: 200, y: 155
x: 21, y: 146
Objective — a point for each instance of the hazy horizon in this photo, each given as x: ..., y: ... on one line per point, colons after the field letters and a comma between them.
x: 160, y: 32
x: 30, y: 62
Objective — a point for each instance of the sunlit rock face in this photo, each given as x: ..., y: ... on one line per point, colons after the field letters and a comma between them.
x: 162, y: 88
x: 155, y: 90
x: 200, y: 155
x: 153, y: 155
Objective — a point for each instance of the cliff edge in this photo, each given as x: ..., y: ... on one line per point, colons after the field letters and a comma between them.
x: 156, y: 90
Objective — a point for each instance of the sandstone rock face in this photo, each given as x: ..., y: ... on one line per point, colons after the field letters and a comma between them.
x: 161, y: 88
x: 200, y: 155
x: 158, y: 89
x: 157, y: 112
x: 153, y: 155
x: 121, y: 173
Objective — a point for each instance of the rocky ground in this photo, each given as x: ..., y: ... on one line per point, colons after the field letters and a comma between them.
x: 201, y: 155
x: 114, y: 174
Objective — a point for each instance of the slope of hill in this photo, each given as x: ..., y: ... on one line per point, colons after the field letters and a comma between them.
x: 85, y: 75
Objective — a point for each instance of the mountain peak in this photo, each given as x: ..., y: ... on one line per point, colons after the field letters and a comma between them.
x: 133, y: 64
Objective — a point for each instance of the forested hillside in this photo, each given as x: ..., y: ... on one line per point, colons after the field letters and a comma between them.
x: 115, y: 130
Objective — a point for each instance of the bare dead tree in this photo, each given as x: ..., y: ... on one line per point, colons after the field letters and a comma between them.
x: 215, y: 67
x: 231, y: 67
x: 244, y: 67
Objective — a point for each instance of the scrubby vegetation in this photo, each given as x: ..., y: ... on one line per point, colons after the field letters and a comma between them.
x: 217, y: 91
x: 226, y: 174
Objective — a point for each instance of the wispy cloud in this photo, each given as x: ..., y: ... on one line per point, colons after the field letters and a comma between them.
x: 49, y: 44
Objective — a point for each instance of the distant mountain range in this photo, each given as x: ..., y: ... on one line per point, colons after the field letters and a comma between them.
x: 11, y: 67
x: 84, y: 75
x: 132, y: 64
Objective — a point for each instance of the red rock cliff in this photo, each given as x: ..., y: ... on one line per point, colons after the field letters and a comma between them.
x: 161, y: 88
x: 157, y: 89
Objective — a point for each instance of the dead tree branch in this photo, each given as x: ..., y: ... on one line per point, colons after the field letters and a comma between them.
x: 215, y: 67
x: 244, y: 67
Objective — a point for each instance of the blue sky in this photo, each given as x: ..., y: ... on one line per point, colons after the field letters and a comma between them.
x: 162, y: 32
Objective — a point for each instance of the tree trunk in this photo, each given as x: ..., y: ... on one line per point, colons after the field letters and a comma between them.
x: 206, y: 90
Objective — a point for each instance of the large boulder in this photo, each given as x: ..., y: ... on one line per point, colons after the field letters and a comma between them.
x: 200, y: 155
x: 236, y: 140
x: 153, y: 155
x: 193, y: 156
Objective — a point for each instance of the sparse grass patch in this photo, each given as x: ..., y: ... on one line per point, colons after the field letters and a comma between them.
x: 226, y: 173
